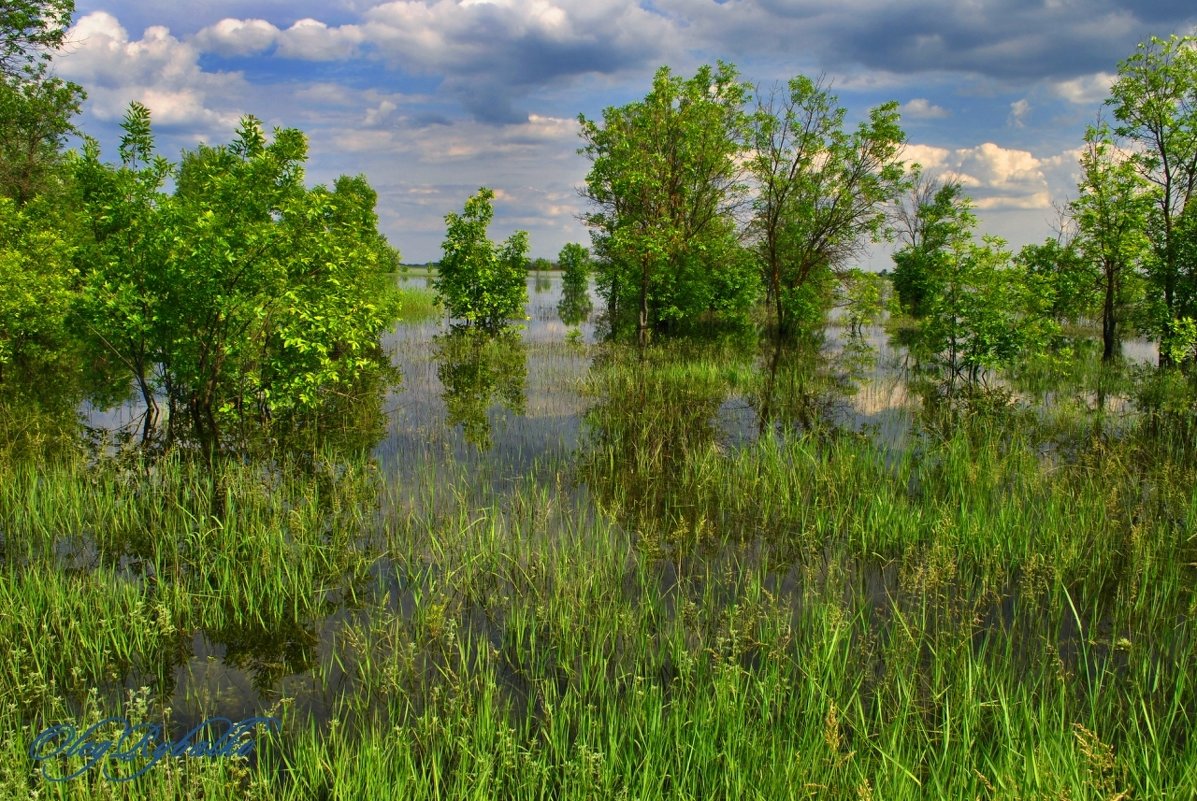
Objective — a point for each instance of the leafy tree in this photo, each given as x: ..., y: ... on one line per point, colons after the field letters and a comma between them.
x: 933, y: 217
x: 35, y: 107
x: 575, y: 291
x: 37, y: 276
x: 29, y: 31
x: 480, y: 282
x: 1111, y: 214
x: 976, y: 309
x: 664, y: 180
x: 1155, y: 104
x: 35, y: 120
x: 243, y: 294
x: 822, y: 190
x: 122, y: 258
x: 864, y: 294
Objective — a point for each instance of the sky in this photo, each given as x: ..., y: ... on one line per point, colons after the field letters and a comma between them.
x: 431, y: 99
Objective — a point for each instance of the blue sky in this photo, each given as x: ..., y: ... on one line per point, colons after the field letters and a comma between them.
x: 431, y: 99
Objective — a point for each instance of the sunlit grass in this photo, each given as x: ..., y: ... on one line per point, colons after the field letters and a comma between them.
x: 998, y: 606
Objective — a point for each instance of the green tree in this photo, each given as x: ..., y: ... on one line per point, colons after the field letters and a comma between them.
x: 242, y: 295
x: 575, y: 303
x: 29, y: 31
x: 479, y: 282
x: 864, y: 296
x: 1155, y: 103
x: 1111, y: 214
x: 664, y: 180
x: 36, y: 108
x: 933, y: 216
x: 121, y: 259
x: 38, y: 280
x: 976, y: 308
x: 822, y: 190
x: 1063, y: 275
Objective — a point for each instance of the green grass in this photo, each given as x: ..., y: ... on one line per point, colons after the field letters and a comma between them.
x: 998, y: 608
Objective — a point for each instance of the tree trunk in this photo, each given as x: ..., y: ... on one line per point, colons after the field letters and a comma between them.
x: 1109, y: 332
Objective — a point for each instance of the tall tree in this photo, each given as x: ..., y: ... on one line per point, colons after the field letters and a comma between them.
x: 976, y: 310
x: 1155, y: 103
x: 575, y: 303
x: 934, y: 216
x: 664, y: 181
x: 478, y: 281
x: 29, y: 31
x: 241, y: 295
x: 1111, y: 214
x: 822, y: 191
x: 35, y: 107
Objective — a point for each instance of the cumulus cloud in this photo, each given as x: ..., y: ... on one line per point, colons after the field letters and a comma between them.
x: 158, y: 70
x: 996, y: 177
x: 312, y: 40
x: 237, y: 37
x: 1086, y: 90
x: 920, y: 108
x: 492, y: 53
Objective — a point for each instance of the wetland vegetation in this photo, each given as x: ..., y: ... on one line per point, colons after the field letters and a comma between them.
x: 748, y: 524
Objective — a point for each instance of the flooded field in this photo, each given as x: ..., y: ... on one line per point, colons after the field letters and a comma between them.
x: 541, y: 566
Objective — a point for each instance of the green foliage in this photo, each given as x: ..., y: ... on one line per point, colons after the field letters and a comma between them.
x: 38, y: 281
x: 575, y: 303
x: 477, y: 281
x: 822, y: 189
x: 243, y: 294
x: 1111, y: 214
x: 1065, y: 278
x: 864, y: 294
x: 1155, y: 104
x: 936, y: 216
x: 29, y: 30
x: 977, y: 310
x: 664, y: 178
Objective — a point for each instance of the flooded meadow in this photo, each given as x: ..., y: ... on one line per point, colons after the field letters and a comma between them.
x: 541, y: 565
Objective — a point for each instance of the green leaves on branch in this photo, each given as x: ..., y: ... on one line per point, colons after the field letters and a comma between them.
x: 822, y: 191
x: 575, y: 304
x: 241, y: 295
x: 477, y: 281
x: 666, y: 176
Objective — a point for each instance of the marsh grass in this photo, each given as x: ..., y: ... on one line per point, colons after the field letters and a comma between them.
x: 997, y: 607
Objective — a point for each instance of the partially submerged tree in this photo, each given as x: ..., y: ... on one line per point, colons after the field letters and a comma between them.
x: 822, y: 191
x: 242, y: 294
x: 933, y: 216
x: 477, y: 281
x: 975, y: 309
x: 1111, y: 214
x: 575, y: 303
x: 664, y: 181
x: 1155, y: 104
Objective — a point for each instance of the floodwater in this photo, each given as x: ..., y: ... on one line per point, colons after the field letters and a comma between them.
x: 503, y: 412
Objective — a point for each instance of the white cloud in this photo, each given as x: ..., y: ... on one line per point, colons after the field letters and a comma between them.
x: 157, y: 70
x: 1087, y: 90
x: 996, y: 177
x: 920, y: 108
x: 312, y: 40
x: 1019, y: 110
x: 237, y: 37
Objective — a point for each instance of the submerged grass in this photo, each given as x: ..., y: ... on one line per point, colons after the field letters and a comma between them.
x: 1000, y: 608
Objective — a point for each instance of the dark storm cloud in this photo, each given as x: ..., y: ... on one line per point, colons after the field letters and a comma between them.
x: 998, y: 39
x: 492, y: 55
